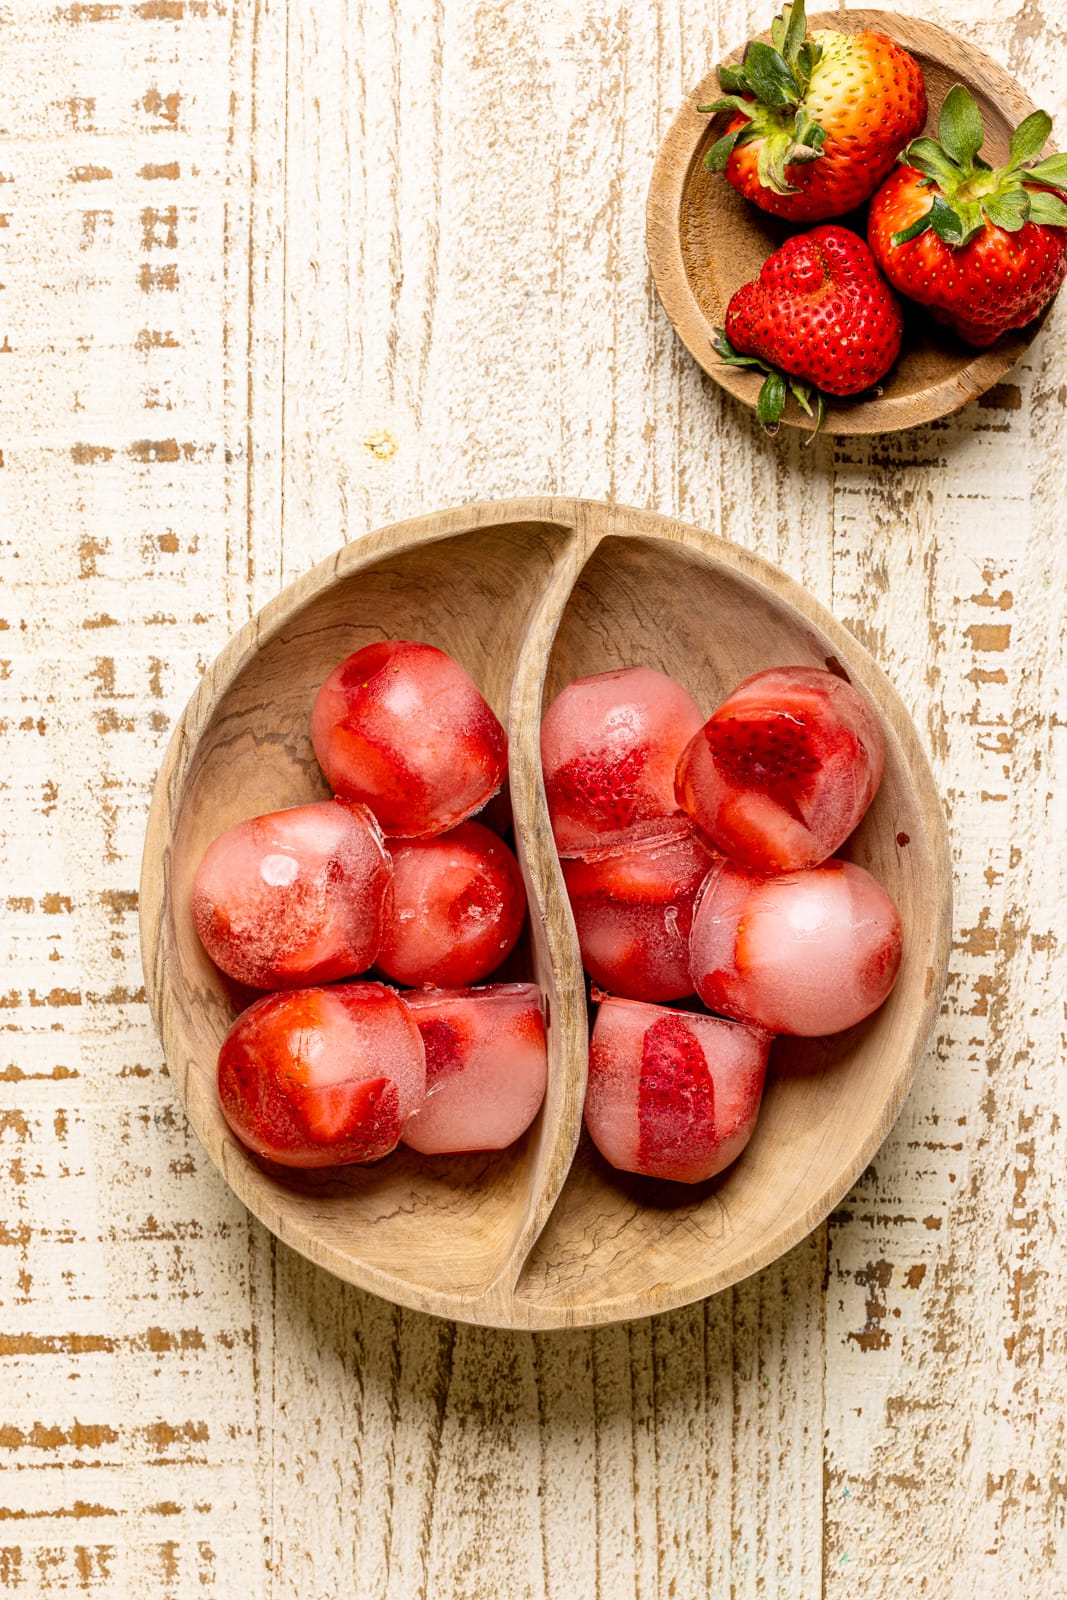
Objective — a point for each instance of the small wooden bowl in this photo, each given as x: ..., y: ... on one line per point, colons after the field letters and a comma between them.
x: 705, y: 241
x: 529, y: 594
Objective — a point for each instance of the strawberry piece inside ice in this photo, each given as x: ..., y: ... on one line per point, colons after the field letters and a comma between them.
x: 672, y: 1094
x: 487, y: 1066
x: 455, y: 909
x: 609, y: 748
x: 322, y: 1076
x: 403, y: 728
x: 784, y: 770
x: 675, y: 1099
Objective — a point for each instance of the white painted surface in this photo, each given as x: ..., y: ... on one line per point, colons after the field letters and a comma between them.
x: 245, y: 249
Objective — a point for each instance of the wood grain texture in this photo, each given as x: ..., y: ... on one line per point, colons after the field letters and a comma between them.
x: 530, y: 594
x: 420, y: 226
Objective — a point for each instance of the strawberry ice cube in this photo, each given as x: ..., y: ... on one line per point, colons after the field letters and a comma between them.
x: 294, y: 897
x: 783, y: 771
x: 672, y: 1094
x: 633, y: 911
x: 455, y: 908
x: 805, y: 953
x: 322, y: 1077
x: 402, y: 727
x: 486, y: 1066
x: 609, y: 748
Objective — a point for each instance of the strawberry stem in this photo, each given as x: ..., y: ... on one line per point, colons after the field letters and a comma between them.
x: 772, y: 396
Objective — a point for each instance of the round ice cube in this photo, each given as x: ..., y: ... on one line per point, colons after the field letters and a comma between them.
x: 609, y: 748
x: 783, y: 771
x: 806, y: 953
x: 672, y: 1094
x: 294, y: 897
x: 486, y: 1066
x: 633, y: 910
x: 455, y: 908
x: 402, y: 727
x: 322, y: 1077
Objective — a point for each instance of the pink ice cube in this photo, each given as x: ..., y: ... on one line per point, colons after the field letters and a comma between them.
x: 486, y: 1066
x: 805, y: 953
x: 609, y: 748
x: 633, y: 909
x: 322, y: 1077
x: 402, y: 727
x: 455, y: 908
x: 783, y: 771
x: 294, y: 897
x: 672, y: 1094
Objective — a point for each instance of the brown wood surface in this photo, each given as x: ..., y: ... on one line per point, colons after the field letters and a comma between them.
x: 274, y: 276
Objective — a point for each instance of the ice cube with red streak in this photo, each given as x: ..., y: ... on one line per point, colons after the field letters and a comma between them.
x: 805, y: 953
x: 672, y: 1094
x: 609, y: 748
x: 295, y: 896
x: 402, y: 727
x: 783, y: 771
x: 455, y: 907
x: 486, y: 1066
x: 323, y: 1076
x: 633, y: 911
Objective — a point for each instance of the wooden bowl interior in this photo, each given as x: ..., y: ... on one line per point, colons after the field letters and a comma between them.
x: 722, y: 241
x: 829, y: 1102
x: 427, y: 1225
x: 529, y: 596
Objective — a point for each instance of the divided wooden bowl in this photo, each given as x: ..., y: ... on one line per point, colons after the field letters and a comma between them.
x: 705, y: 241
x: 529, y: 594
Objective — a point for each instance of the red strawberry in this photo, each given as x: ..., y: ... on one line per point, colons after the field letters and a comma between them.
x: 675, y: 1098
x: 983, y: 248
x: 818, y: 121
x: 821, y: 312
x: 604, y: 784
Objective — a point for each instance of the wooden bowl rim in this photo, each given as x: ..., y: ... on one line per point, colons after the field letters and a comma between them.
x: 674, y: 161
x: 592, y: 522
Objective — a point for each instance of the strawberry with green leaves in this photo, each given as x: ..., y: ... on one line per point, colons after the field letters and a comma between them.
x: 818, y: 121
x: 820, y: 319
x: 983, y: 248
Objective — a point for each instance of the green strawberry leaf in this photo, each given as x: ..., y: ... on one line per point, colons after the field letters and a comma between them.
x: 732, y: 357
x: 796, y: 26
x: 928, y: 156
x: 1029, y: 138
x: 732, y: 80
x: 728, y: 102
x: 1053, y: 171
x: 960, y: 127
x: 807, y: 133
x: 1048, y: 210
x: 721, y: 151
x: 801, y: 394
x: 771, y: 402
x: 769, y: 75
x: 771, y: 162
x: 945, y: 223
x: 1009, y: 210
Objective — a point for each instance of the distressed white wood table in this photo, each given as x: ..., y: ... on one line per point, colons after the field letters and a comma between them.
x: 269, y: 276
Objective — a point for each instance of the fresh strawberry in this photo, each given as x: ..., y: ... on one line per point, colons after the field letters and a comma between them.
x: 822, y: 313
x: 818, y: 121
x: 983, y: 248
x: 675, y: 1099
